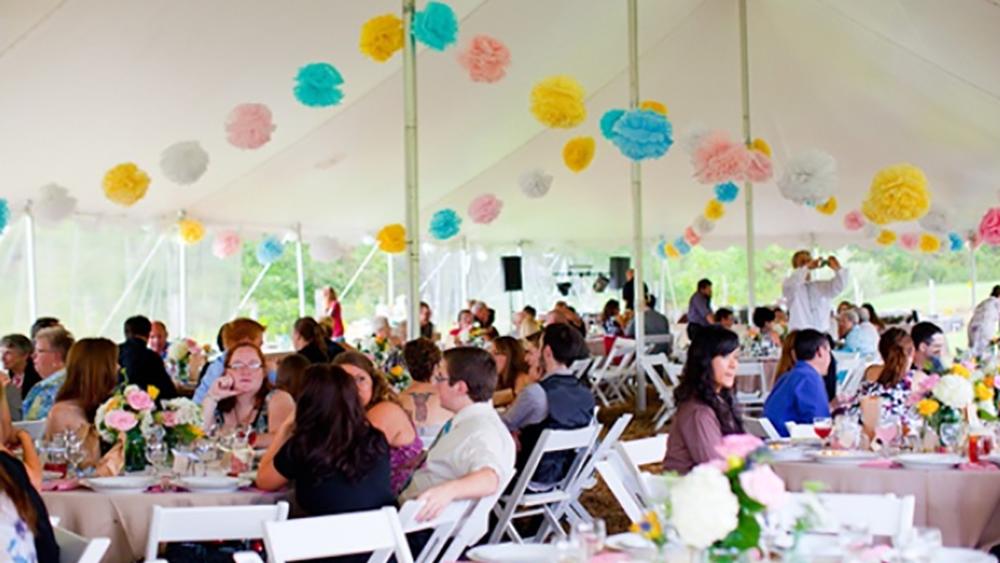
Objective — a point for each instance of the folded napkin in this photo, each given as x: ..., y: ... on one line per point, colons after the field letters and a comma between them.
x: 881, y: 463
x: 160, y: 489
x: 610, y: 557
x: 60, y: 485
x: 981, y: 466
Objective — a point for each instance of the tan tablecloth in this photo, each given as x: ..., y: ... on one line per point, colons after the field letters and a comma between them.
x: 125, y: 518
x: 964, y: 505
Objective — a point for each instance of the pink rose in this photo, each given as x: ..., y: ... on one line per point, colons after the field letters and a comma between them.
x: 764, y: 486
x: 170, y: 419
x: 738, y: 445
x: 139, y: 400
x: 120, y: 420
x: 989, y: 227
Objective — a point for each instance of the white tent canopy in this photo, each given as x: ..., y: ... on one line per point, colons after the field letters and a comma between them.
x: 87, y: 85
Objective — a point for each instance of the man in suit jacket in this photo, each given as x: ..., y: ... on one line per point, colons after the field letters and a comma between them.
x: 143, y: 367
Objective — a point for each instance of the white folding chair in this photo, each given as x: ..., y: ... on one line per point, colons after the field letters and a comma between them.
x: 627, y: 482
x: 753, y: 371
x: 444, y: 528
x: 849, y: 386
x: 646, y: 450
x: 799, y: 431
x: 883, y: 515
x: 625, y: 495
x: 653, y: 340
x: 579, y: 367
x: 607, y: 378
x: 761, y: 428
x: 339, y: 534
x: 34, y: 428
x: 208, y: 523
x: 78, y: 549
x: 474, y: 526
x: 648, y: 364
x: 522, y: 502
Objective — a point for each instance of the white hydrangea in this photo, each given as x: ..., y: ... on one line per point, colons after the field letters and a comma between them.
x: 703, y: 507
x: 107, y: 435
x: 954, y: 391
x: 187, y: 411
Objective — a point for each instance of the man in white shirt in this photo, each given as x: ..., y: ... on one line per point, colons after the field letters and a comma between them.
x: 809, y: 300
x: 984, y: 322
x: 473, y: 456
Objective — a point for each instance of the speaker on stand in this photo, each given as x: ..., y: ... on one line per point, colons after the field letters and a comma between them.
x: 511, y: 280
x: 617, y: 267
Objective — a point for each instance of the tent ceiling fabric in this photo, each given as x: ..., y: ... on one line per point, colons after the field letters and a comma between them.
x: 89, y: 85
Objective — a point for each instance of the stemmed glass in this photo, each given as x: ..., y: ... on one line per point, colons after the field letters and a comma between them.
x: 158, y: 456
x: 207, y: 451
x: 823, y: 426
x: 886, y: 432
x: 75, y: 453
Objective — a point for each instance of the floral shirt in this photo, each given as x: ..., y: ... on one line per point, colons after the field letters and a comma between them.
x: 17, y: 543
x: 42, y: 396
x: 893, y: 398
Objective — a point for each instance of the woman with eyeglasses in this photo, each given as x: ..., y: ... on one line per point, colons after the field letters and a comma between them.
x: 242, y: 397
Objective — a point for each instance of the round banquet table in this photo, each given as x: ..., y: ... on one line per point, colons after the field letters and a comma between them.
x: 964, y: 505
x: 125, y: 518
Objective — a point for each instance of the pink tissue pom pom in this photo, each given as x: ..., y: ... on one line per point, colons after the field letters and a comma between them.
x: 909, y: 241
x: 691, y: 237
x: 249, y: 126
x: 718, y: 159
x: 226, y: 244
x: 759, y: 168
x: 989, y: 227
x: 485, y: 58
x: 854, y: 221
x: 485, y: 208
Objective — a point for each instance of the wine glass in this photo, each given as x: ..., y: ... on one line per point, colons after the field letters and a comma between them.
x: 74, y: 453
x: 886, y: 432
x: 207, y: 452
x: 590, y: 535
x: 823, y: 426
x: 847, y: 432
x: 158, y: 456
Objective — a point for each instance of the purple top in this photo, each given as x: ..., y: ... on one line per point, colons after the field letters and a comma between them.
x: 694, y: 434
x: 403, y: 461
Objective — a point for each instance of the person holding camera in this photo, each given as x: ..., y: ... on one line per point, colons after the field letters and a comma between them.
x: 808, y: 299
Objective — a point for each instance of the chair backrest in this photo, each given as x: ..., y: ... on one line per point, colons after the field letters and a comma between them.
x: 444, y: 527
x: 581, y: 440
x: 471, y: 529
x: 883, y: 515
x: 208, y: 523
x: 849, y: 386
x: 78, y: 549
x: 354, y: 532
x: 646, y: 450
x: 34, y: 428
x: 579, y: 367
x: 761, y: 428
x: 625, y: 495
x: 796, y: 430
x: 616, y: 355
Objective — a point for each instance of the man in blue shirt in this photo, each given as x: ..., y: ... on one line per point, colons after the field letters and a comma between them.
x: 799, y: 395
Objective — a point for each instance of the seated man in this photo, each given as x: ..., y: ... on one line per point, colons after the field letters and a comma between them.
x: 725, y: 318
x: 51, y: 348
x: 473, y: 456
x: 859, y: 337
x: 559, y: 401
x: 928, y: 339
x: 142, y: 366
x: 655, y: 324
x: 799, y: 395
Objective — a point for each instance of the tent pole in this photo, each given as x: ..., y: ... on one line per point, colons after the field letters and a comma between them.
x: 434, y: 272
x: 673, y: 291
x: 182, y: 287
x: 390, y: 281
x: 357, y: 273
x: 972, y: 272
x: 466, y: 265
x: 636, y: 178
x: 748, y: 187
x: 300, y: 270
x: 252, y: 289
x: 29, y: 243
x: 131, y: 283
x: 412, y: 179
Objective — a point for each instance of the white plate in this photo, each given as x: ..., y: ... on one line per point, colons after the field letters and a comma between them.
x: 960, y: 555
x: 841, y: 457
x: 211, y: 484
x: 512, y: 553
x: 628, y: 542
x: 929, y: 461
x: 119, y: 485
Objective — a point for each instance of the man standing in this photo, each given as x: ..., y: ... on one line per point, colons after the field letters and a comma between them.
x: 700, y: 308
x: 628, y: 290
x: 473, y: 455
x: 799, y: 395
x: 51, y: 347
x: 143, y: 367
x: 984, y: 322
x: 808, y: 299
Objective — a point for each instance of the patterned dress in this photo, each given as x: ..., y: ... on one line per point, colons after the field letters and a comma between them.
x: 893, y: 399
x: 16, y: 539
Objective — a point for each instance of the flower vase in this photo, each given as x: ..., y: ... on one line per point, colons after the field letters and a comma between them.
x: 720, y: 554
x: 135, y: 451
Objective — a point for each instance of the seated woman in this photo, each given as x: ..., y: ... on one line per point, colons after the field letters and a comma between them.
x: 309, y: 339
x: 91, y: 378
x: 292, y: 374
x: 12, y: 439
x: 609, y: 319
x: 889, y: 382
x: 420, y: 400
x: 243, y: 397
x: 787, y: 359
x: 513, y: 371
x: 385, y: 414
x: 338, y: 461
x: 461, y: 333
x: 763, y: 319
x: 706, y: 410
x: 533, y: 356
x: 25, y: 531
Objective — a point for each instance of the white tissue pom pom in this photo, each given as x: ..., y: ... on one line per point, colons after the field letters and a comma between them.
x: 810, y: 177
x: 184, y: 163
x: 535, y: 183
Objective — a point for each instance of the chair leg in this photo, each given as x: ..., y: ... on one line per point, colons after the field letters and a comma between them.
x: 503, y: 513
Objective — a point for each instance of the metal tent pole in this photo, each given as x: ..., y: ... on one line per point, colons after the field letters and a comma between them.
x: 412, y: 179
x: 463, y: 280
x: 748, y: 186
x: 972, y: 272
x: 635, y: 174
x: 29, y: 243
x: 300, y: 270
x: 357, y: 273
x: 390, y: 281
x: 131, y: 283
x: 182, y: 287
x: 252, y: 288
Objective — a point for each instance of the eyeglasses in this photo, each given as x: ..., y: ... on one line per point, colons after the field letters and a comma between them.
x: 244, y: 367
x: 440, y: 379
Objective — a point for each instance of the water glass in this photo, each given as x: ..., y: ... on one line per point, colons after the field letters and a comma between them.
x: 919, y: 545
x: 571, y: 551
x: 847, y: 432
x: 590, y: 536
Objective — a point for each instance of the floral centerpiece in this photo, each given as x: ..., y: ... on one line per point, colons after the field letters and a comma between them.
x: 388, y: 359
x: 181, y: 420
x: 943, y: 401
x: 127, y: 417
x: 179, y: 358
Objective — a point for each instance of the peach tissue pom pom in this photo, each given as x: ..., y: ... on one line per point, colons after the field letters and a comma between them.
x: 558, y: 102
x: 578, y: 153
x: 125, y: 184
x: 381, y: 37
x: 989, y: 227
x: 249, y: 126
x: 485, y: 209
x: 854, y: 220
x: 691, y: 236
x: 718, y: 159
x: 485, y: 59
x: 226, y: 244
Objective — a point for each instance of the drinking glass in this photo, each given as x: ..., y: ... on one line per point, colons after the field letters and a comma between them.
x: 75, y: 454
x: 951, y: 435
x: 886, y: 432
x: 920, y: 544
x: 570, y: 551
x: 207, y: 452
x: 590, y: 536
x: 847, y: 432
x: 823, y: 426
x: 158, y: 456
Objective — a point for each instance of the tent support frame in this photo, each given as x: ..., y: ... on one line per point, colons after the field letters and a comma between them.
x: 132, y: 282
x: 357, y: 273
x: 748, y: 187
x: 29, y: 244
x: 412, y: 176
x: 635, y: 174
x: 300, y: 270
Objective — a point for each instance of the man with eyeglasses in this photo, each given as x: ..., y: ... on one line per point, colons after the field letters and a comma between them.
x: 51, y: 347
x: 473, y: 455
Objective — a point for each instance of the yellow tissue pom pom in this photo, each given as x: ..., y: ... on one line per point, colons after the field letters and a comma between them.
x: 670, y: 251
x: 558, y: 102
x: 886, y: 237
x: 392, y: 238
x: 125, y: 184
x: 653, y: 105
x: 983, y: 393
x: 761, y: 146
x: 927, y: 407
x: 828, y: 207
x: 578, y: 153
x: 897, y: 193
x: 929, y: 243
x: 381, y: 37
x: 191, y: 231
x: 714, y: 210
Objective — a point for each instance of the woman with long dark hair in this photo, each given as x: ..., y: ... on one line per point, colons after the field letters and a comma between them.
x: 706, y: 409
x: 309, y: 339
x: 337, y: 459
x: 25, y: 531
x: 513, y: 371
x: 890, y: 382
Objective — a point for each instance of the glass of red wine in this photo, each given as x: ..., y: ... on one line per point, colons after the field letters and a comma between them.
x: 823, y: 427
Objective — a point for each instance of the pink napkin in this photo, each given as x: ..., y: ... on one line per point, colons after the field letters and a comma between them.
x: 981, y: 466
x: 160, y: 489
x: 60, y: 485
x: 609, y: 557
x: 881, y: 463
